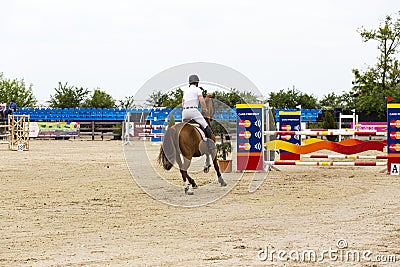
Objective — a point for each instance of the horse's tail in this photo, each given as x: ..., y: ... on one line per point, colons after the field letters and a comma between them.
x: 167, y: 155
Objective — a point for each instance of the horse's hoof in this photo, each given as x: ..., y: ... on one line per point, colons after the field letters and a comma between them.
x: 206, y: 169
x: 195, y: 186
x: 221, y: 181
x: 188, y: 191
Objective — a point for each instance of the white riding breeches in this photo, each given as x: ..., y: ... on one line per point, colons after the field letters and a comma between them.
x: 194, y: 114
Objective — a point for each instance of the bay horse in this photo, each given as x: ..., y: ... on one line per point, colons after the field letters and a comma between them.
x: 181, y: 143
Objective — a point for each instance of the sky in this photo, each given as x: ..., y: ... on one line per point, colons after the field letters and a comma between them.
x: 119, y: 45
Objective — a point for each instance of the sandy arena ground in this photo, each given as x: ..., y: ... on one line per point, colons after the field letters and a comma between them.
x: 74, y: 203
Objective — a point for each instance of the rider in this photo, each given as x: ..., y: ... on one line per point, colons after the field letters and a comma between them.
x: 190, y: 101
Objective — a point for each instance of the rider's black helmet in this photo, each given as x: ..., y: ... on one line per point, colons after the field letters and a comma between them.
x: 193, y: 79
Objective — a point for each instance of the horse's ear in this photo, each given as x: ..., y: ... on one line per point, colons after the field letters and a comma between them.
x: 211, y: 95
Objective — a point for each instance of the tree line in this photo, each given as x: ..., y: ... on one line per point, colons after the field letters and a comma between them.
x: 65, y: 95
x: 371, y: 88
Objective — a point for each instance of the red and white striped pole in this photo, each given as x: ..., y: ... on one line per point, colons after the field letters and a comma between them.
x: 327, y: 132
x: 327, y: 163
x: 316, y: 156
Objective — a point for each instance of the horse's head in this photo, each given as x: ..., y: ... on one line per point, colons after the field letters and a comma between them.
x: 209, y: 116
x: 210, y: 95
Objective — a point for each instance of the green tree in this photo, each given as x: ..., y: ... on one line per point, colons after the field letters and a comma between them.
x: 68, y: 96
x: 291, y: 98
x: 223, y: 148
x: 172, y: 99
x: 249, y: 98
x: 100, y: 99
x: 329, y: 123
x: 14, y: 89
x: 235, y: 96
x: 171, y: 121
x: 388, y: 37
x: 348, y: 100
x: 381, y: 80
x: 331, y: 100
x: 155, y: 99
x: 283, y: 99
x: 308, y: 101
x: 127, y: 102
x: 230, y: 98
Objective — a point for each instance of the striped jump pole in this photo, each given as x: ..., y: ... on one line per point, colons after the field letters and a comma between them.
x: 324, y: 133
x: 315, y: 156
x: 327, y: 163
x: 371, y: 126
x: 151, y: 134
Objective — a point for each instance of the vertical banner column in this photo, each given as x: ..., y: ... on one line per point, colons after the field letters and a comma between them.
x: 157, y: 130
x: 250, y: 138
x: 290, y: 121
x: 393, y: 138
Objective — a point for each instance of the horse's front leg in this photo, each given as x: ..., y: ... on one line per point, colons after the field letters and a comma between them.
x: 219, y: 175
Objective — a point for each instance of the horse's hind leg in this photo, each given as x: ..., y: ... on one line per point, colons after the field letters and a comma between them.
x: 192, y: 182
x: 186, y: 181
x: 185, y: 176
x: 219, y: 175
x: 184, y: 166
x: 207, y: 165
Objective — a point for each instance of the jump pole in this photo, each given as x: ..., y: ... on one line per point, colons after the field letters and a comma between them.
x: 327, y: 163
x: 327, y: 132
x: 125, y: 129
x: 315, y: 156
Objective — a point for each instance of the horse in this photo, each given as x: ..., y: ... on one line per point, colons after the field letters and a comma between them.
x: 183, y: 139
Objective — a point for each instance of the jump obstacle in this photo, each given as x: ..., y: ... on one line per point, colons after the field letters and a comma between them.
x: 286, y: 135
x: 16, y: 132
x: 327, y: 163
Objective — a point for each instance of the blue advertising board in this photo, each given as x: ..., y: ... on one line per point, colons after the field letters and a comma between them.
x: 393, y: 138
x: 250, y: 137
x: 157, y: 130
x: 290, y: 121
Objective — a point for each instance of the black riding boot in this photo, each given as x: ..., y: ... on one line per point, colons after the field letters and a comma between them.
x: 210, y: 142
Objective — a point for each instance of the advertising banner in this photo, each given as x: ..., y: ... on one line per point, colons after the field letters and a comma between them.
x: 54, y: 129
x: 33, y: 129
x: 290, y: 121
x: 250, y: 137
x: 140, y: 129
x: 157, y: 130
x: 393, y: 138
